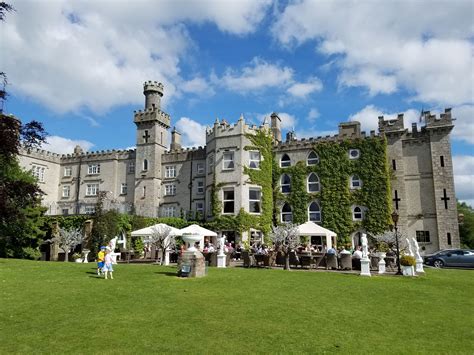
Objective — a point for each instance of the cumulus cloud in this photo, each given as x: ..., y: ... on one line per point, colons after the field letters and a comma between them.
x: 89, y: 54
x: 302, y: 90
x: 368, y: 117
x: 464, y: 124
x: 463, y: 166
x: 288, y: 121
x: 422, y: 46
x: 313, y: 114
x: 197, y: 86
x: 192, y: 132
x: 63, y: 145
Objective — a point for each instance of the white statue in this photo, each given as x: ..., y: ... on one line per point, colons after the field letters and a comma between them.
x: 410, y: 250
x: 417, y: 249
x: 112, y: 244
x: 222, y: 244
x: 365, y: 251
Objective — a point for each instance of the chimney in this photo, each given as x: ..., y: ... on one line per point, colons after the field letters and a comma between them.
x: 175, y: 139
x: 276, y: 127
x: 78, y: 149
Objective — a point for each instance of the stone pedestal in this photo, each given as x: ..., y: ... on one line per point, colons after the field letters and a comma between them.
x: 195, y: 260
x: 85, y: 252
x: 365, y: 267
x: 221, y: 260
x: 408, y: 271
x: 419, y: 266
x: 114, y: 257
x: 382, y: 266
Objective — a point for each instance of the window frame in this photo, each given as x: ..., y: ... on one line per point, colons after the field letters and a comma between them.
x: 67, y: 171
x: 354, y: 150
x: 68, y: 189
x: 286, y: 213
x: 317, y: 183
x: 281, y: 161
x: 170, y: 189
x: 210, y: 163
x: 170, y: 171
x: 169, y: 211
x: 308, y: 159
x: 231, y: 162
x: 257, y: 201
x: 131, y: 167
x: 92, y: 189
x: 226, y: 201
x: 38, y: 171
x: 288, y: 184
x: 123, y: 188
x: 200, y: 189
x: 318, y: 212
x: 200, y: 168
x: 351, y: 182
x: 89, y: 209
x: 93, y: 169
x: 423, y: 237
x: 254, y: 161
x: 354, y: 218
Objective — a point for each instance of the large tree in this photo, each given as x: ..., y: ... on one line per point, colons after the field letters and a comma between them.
x: 466, y: 225
x: 286, y: 238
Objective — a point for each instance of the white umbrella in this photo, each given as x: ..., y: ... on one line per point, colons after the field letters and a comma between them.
x: 145, y: 232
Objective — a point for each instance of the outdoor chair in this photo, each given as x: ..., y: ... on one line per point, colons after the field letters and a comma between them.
x: 318, y: 260
x: 331, y: 261
x: 346, y: 262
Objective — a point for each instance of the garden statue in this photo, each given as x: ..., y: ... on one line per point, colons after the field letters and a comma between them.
x: 221, y: 257
x: 410, y: 250
x: 418, y: 258
x: 365, y: 252
x: 364, y: 262
x: 112, y: 244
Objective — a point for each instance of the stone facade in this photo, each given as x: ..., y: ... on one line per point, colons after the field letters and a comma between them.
x: 156, y: 180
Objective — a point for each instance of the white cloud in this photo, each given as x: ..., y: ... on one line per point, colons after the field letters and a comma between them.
x: 464, y: 124
x: 313, y: 114
x: 92, y: 54
x: 314, y: 133
x: 258, y: 75
x: 368, y: 117
x: 197, y: 86
x: 63, y: 145
x: 193, y: 133
x: 463, y: 166
x: 288, y: 121
x: 422, y: 46
x: 302, y: 90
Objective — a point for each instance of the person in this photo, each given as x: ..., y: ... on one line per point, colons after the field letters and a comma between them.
x: 331, y: 250
x: 211, y: 248
x: 357, y: 254
x: 344, y: 251
x: 100, y: 260
x: 108, y: 264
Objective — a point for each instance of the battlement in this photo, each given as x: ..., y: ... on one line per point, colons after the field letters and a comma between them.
x: 41, y: 154
x: 153, y: 86
x: 395, y: 125
x: 444, y: 120
x: 152, y: 115
x: 184, y: 154
x: 100, y: 155
x: 223, y: 128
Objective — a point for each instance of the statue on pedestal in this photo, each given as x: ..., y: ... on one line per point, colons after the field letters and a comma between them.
x: 410, y: 250
x: 365, y: 251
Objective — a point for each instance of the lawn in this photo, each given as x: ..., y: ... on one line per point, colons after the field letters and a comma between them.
x: 48, y: 307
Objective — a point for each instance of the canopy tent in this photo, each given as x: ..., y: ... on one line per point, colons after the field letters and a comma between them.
x: 312, y: 229
x: 145, y: 232
x: 196, y: 229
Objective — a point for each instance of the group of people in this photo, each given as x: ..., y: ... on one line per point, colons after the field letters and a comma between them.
x: 104, y: 262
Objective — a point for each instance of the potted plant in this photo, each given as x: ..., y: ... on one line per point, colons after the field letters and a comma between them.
x: 408, y: 262
x: 382, y: 249
x: 77, y: 257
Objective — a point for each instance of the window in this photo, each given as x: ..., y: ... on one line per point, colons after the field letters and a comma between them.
x: 123, y: 188
x: 170, y: 171
x: 313, y: 159
x: 144, y: 192
x: 357, y: 213
x: 145, y: 165
x: 228, y: 161
x: 449, y: 238
x: 89, y: 210
x: 170, y: 189
x: 68, y: 171
x: 286, y: 214
x: 394, y: 164
x: 169, y: 211
x: 200, y: 168
x: 356, y: 183
x: 313, y: 183
x: 285, y: 183
x: 131, y: 167
x: 254, y: 160
x: 65, y: 211
x: 200, y: 207
x: 285, y: 161
x: 423, y: 236
x: 93, y: 169
x: 38, y: 172
x: 255, y: 200
x: 314, y: 212
x: 441, y: 161
x: 200, y: 187
x: 92, y: 189
x: 354, y: 153
x: 66, y: 191
x: 210, y: 163
x: 228, y: 201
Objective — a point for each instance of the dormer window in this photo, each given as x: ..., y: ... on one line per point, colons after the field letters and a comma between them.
x: 313, y: 159
x: 285, y: 161
x: 354, y: 153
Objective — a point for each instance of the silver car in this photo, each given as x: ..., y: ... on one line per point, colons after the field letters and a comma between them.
x: 451, y: 258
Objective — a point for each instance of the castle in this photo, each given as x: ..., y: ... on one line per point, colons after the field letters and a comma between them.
x: 155, y: 179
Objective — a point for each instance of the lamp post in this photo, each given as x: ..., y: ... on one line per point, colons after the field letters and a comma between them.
x: 395, y: 221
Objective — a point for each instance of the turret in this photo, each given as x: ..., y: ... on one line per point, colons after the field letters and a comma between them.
x: 153, y: 92
x: 276, y: 127
x: 175, y: 139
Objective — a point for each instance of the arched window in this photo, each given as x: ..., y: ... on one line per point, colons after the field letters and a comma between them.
x: 357, y: 213
x: 313, y: 183
x: 145, y: 164
x: 285, y: 183
x: 286, y: 214
x: 356, y: 182
x: 285, y: 161
x: 313, y: 159
x: 314, y: 212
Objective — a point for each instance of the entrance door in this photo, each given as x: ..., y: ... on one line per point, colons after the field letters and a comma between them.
x: 356, y: 239
x: 230, y: 236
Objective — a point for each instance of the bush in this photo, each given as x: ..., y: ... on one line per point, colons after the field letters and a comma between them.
x: 31, y: 253
x: 407, y: 260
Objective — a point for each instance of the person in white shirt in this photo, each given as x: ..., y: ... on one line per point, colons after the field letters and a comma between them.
x: 357, y: 254
x: 108, y: 264
x: 344, y: 251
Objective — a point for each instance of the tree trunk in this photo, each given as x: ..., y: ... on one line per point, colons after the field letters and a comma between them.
x: 287, y: 261
x: 66, y: 256
x: 163, y: 255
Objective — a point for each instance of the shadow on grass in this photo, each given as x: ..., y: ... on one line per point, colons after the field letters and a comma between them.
x: 167, y: 273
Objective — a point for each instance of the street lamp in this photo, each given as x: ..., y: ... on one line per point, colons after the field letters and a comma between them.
x: 395, y: 221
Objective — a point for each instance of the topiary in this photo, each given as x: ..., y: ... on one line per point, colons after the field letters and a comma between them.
x: 407, y: 260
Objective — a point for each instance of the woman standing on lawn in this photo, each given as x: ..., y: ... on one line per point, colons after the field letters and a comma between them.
x: 108, y: 264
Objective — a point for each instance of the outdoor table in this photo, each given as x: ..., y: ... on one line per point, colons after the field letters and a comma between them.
x: 318, y: 258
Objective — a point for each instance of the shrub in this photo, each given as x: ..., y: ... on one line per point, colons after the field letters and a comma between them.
x: 407, y: 260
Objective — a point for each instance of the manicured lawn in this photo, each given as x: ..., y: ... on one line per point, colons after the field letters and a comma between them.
x: 48, y: 307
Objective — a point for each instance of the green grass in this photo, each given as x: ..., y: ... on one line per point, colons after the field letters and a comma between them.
x: 48, y: 307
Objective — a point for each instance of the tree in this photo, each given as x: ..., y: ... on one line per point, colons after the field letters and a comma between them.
x: 162, y: 239
x: 67, y: 240
x: 286, y: 238
x: 466, y: 225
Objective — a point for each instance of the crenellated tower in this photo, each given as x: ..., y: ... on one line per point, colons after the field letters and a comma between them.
x: 151, y: 141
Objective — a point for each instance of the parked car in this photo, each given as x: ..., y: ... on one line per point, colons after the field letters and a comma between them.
x: 451, y: 257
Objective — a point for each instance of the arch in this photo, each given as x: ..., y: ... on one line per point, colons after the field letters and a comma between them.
x: 285, y: 184
x: 285, y: 161
x: 357, y: 213
x: 314, y: 212
x: 313, y: 183
x: 355, y: 182
x: 286, y: 213
x: 312, y: 158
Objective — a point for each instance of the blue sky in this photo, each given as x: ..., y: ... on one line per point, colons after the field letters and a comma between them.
x: 79, y: 66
